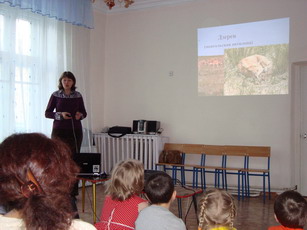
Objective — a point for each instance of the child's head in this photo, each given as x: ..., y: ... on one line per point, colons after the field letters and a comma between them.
x: 217, y: 209
x: 290, y: 209
x: 126, y: 180
x: 159, y: 188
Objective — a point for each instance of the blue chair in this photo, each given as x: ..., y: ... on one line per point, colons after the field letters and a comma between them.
x: 195, y: 152
x: 234, y: 161
x: 263, y: 154
x: 211, y: 162
x: 196, y: 171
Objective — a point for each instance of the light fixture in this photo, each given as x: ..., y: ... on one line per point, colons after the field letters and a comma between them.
x: 111, y: 3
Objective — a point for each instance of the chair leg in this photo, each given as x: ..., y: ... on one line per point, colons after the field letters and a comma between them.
x: 194, y: 179
x: 247, y: 184
x: 182, y: 175
x: 195, y: 207
x: 239, y: 185
x: 203, y: 179
x: 174, y: 174
x: 179, y: 207
x: 219, y: 181
x: 263, y: 187
x: 216, y: 179
x: 269, y: 186
x: 224, y: 174
x: 244, y: 185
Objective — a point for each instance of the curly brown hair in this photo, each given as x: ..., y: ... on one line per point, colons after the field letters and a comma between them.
x: 51, y: 164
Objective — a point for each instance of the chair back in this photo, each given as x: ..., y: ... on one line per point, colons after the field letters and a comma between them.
x: 193, y: 148
x: 173, y: 146
x: 235, y: 156
x: 235, y: 150
x: 260, y: 152
x: 213, y: 149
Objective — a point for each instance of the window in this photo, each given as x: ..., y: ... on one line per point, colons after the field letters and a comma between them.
x: 28, y: 69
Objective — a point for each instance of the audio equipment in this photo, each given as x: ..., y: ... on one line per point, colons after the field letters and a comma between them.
x: 145, y: 127
x: 139, y: 126
x: 152, y: 127
x: 135, y: 126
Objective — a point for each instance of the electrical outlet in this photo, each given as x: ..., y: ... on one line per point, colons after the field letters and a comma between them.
x: 171, y: 73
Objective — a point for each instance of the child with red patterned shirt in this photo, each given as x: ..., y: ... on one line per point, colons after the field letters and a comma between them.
x: 122, y: 204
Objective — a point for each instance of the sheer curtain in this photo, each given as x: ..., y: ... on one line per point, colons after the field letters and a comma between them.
x: 76, y: 12
x: 77, y: 60
x: 34, y: 51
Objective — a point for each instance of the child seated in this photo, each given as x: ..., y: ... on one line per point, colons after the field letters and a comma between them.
x: 290, y: 210
x: 122, y: 203
x: 159, y: 189
x: 217, y: 211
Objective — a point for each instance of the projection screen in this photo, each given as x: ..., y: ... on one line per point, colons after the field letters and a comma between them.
x: 244, y: 59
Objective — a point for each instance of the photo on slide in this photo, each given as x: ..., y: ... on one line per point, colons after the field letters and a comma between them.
x: 256, y: 70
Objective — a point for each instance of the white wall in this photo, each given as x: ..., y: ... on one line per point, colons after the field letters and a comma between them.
x: 143, y: 46
x: 97, y: 73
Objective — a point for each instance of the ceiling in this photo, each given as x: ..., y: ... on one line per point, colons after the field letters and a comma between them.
x: 137, y: 5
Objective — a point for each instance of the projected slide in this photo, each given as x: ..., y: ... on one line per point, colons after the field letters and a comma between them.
x: 244, y: 59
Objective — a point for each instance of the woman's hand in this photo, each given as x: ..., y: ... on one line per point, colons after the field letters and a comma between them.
x: 78, y: 115
x: 66, y: 115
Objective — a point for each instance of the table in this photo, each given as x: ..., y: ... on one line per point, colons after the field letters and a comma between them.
x: 93, y: 180
x: 185, y: 192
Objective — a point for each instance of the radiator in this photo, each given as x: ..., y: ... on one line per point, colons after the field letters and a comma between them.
x: 145, y: 148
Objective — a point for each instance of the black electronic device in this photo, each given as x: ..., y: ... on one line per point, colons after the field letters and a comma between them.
x: 139, y: 126
x: 152, y: 127
x: 145, y: 127
x: 135, y: 126
x: 89, y: 163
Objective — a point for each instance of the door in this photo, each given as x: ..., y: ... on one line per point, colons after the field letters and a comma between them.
x: 303, y: 132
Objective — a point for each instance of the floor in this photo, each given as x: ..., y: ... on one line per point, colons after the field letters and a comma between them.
x: 253, y: 214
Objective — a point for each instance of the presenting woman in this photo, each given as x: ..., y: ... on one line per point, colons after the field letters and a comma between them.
x: 66, y: 107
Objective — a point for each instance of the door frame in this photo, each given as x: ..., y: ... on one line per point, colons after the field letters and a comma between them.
x: 296, y: 105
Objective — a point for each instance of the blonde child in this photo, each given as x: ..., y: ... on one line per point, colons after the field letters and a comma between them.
x: 122, y: 203
x: 217, y: 211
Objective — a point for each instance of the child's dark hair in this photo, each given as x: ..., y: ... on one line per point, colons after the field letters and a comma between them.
x: 159, y: 188
x: 291, y: 209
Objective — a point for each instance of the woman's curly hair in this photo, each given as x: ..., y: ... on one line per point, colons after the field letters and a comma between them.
x: 51, y: 164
